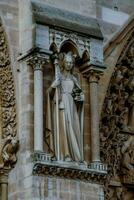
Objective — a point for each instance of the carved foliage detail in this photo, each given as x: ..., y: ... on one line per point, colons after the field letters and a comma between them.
x: 8, y: 141
x: 117, y: 117
x: 4, y: 56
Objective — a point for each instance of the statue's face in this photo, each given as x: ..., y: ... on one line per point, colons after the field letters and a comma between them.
x: 68, y: 63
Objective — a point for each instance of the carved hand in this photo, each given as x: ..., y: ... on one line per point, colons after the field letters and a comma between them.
x: 55, y: 83
x: 80, y: 98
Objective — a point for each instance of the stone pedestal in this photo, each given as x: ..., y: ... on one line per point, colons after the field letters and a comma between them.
x: 69, y: 180
x: 51, y: 180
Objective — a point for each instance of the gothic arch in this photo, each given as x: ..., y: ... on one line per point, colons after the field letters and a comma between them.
x: 112, y: 52
x: 117, y: 126
x: 8, y: 132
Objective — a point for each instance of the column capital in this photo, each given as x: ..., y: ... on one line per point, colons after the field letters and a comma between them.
x: 92, y: 71
x: 36, y: 57
x: 94, y: 75
x: 37, y: 61
x: 4, y: 178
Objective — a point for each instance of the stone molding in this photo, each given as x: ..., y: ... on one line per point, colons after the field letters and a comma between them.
x: 4, y: 178
x: 63, y: 19
x: 43, y: 165
x: 60, y: 37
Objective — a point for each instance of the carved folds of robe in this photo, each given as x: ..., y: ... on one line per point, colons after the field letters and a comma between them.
x: 70, y: 113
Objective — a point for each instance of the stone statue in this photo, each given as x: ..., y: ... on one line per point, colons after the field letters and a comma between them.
x: 64, y: 128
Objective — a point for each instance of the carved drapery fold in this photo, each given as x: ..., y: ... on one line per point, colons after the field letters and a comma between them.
x: 117, y: 126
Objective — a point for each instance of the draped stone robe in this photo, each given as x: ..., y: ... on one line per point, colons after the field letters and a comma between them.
x: 70, y: 115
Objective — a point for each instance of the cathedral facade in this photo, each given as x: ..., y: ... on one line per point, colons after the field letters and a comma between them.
x: 66, y: 100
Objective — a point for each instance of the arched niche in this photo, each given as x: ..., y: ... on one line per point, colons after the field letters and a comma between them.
x: 8, y: 131
x: 117, y: 125
x: 85, y: 56
x: 70, y: 46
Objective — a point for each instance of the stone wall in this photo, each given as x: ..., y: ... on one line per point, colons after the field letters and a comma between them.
x: 49, y: 188
x: 86, y: 7
x: 112, y: 15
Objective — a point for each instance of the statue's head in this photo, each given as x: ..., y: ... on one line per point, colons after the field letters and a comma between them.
x: 68, y: 61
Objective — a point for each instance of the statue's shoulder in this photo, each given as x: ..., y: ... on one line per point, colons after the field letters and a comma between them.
x: 75, y: 79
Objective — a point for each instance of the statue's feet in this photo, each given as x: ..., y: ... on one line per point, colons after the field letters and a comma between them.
x: 53, y: 159
x: 68, y: 159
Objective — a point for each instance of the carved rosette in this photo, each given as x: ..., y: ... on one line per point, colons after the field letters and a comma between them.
x: 115, y: 126
x: 8, y: 141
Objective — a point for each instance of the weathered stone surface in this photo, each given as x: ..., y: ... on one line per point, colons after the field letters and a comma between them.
x: 19, y: 24
x: 67, y: 20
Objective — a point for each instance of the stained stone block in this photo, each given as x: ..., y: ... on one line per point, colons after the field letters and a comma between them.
x: 58, y: 189
x: 42, y: 36
x: 96, y: 52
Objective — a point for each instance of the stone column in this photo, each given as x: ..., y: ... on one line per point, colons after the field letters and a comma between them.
x: 95, y: 138
x: 37, y: 61
x: 38, y: 104
x: 4, y: 187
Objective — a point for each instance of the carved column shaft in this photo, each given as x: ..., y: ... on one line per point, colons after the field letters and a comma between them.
x: 37, y: 60
x: 95, y: 139
x: 38, y: 106
x: 4, y: 187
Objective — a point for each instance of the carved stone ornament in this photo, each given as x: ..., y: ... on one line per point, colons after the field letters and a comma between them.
x: 127, y: 165
x: 59, y: 37
x: 43, y: 165
x: 37, y: 60
x: 8, y: 140
x: 117, y: 124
